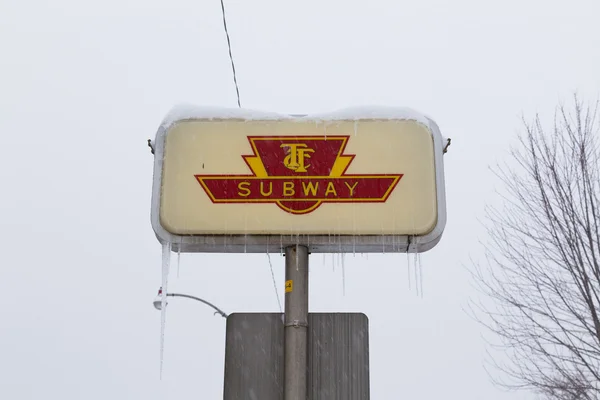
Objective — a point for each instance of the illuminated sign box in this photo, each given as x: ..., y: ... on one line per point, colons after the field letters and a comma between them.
x: 357, y: 180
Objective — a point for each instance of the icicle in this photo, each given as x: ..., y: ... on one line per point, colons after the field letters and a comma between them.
x: 343, y: 275
x: 394, y: 235
x: 354, y: 229
x: 166, y: 258
x: 225, y: 237
x: 414, y: 259
x: 245, y: 232
x: 355, y: 127
x: 178, y: 259
x: 420, y: 266
x: 408, y: 264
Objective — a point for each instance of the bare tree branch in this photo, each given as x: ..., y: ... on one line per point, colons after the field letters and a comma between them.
x: 541, y: 275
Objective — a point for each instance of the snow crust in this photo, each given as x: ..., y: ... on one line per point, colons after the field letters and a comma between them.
x: 371, y: 112
x: 188, y: 111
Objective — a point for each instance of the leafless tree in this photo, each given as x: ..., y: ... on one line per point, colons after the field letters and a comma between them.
x: 541, y: 274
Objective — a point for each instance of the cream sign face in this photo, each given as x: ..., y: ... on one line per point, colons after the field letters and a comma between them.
x: 237, y: 180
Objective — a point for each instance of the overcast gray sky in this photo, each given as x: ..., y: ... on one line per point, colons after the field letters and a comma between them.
x: 84, y: 84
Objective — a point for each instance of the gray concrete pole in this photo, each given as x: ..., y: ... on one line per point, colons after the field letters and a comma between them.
x: 296, y: 323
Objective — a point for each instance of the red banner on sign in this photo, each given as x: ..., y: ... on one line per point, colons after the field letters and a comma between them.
x: 298, y: 174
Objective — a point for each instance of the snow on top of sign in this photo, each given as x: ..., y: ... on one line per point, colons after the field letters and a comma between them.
x: 371, y: 112
x: 187, y: 111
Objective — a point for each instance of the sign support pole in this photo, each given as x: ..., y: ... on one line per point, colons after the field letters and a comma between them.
x: 296, y: 323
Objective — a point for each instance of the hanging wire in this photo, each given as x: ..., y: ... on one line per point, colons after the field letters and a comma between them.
x: 274, y: 282
x: 237, y: 90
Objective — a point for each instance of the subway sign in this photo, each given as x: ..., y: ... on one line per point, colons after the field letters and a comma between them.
x: 235, y: 181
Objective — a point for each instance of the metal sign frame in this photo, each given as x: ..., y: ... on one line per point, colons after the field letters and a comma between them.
x: 212, y: 243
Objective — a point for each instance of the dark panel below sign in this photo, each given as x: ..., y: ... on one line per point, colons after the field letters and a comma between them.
x: 338, y: 356
x: 254, y: 357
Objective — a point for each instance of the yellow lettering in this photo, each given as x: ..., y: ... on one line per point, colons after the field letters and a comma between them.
x: 288, y: 189
x: 330, y: 189
x: 351, y: 188
x: 298, y: 152
x: 245, y: 186
x: 310, y: 187
x: 262, y: 190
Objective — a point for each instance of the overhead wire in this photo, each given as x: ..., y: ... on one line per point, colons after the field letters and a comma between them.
x: 239, y: 103
x: 237, y: 89
x: 274, y: 282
